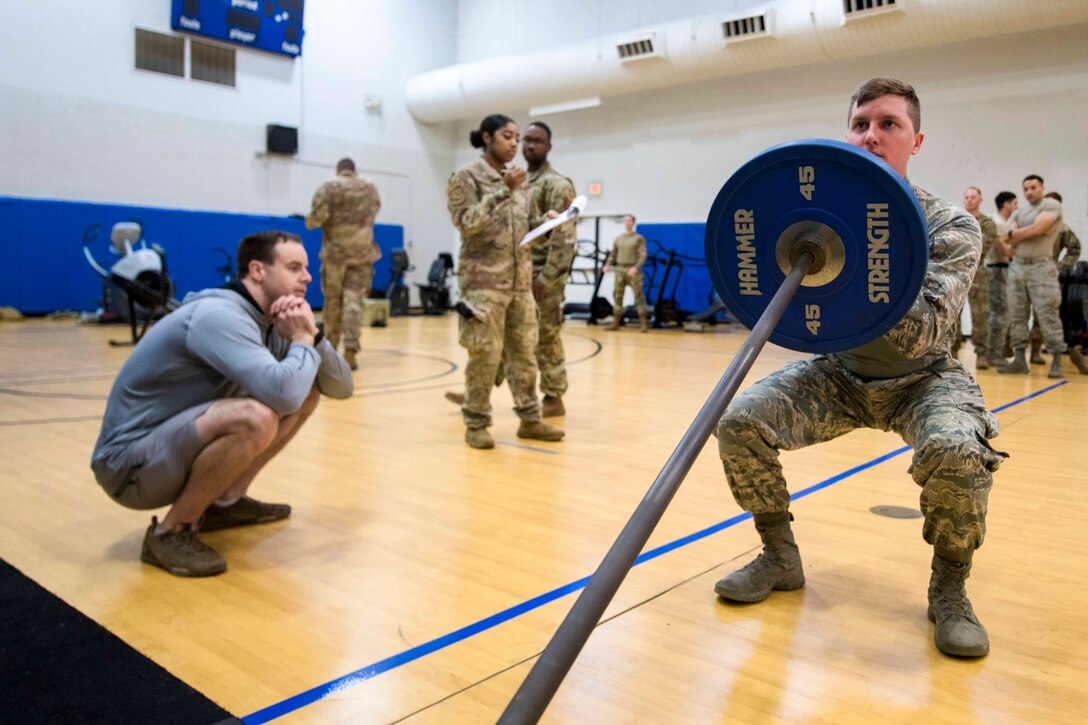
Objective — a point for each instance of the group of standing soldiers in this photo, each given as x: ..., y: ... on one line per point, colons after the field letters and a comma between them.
x: 1024, y: 250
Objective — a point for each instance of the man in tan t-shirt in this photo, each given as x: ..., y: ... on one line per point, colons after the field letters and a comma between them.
x: 627, y: 256
x: 1033, y: 277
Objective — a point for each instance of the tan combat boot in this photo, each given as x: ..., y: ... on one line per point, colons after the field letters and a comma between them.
x: 643, y: 324
x: 778, y: 567
x: 958, y: 631
x: 349, y: 357
x: 615, y: 325
x: 457, y: 398
x: 1078, y: 360
x: 1037, y: 353
x: 479, y: 438
x: 1018, y: 366
x: 552, y: 407
x: 539, y: 431
x: 1056, y: 367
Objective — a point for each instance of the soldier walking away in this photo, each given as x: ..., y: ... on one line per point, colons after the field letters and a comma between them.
x: 344, y: 208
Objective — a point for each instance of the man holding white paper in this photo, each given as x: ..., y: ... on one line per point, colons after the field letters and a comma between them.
x: 551, y: 195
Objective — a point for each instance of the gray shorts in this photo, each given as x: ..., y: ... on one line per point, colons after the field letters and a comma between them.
x: 151, y: 472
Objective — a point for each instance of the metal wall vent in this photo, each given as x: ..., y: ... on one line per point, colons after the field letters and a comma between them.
x: 865, y: 8
x: 160, y: 53
x: 211, y: 63
x: 754, y: 26
x: 639, y: 48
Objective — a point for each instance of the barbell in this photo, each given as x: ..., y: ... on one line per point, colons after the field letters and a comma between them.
x: 815, y: 245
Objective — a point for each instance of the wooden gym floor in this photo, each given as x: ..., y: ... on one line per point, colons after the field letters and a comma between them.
x: 418, y: 579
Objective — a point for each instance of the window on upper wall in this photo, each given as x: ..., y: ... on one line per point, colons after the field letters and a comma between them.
x: 211, y: 63
x: 160, y: 53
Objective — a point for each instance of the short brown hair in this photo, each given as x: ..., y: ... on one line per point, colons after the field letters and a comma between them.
x: 260, y: 246
x: 345, y: 165
x: 874, y: 88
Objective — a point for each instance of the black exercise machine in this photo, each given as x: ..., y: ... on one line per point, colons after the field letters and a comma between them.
x: 140, y: 276
x: 435, y: 295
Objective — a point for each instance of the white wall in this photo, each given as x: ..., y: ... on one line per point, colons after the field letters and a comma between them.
x: 992, y: 112
x: 79, y: 122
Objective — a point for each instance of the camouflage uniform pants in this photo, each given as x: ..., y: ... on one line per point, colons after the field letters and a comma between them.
x: 999, y: 311
x: 939, y: 412
x: 550, y: 355
x: 979, y: 299
x: 503, y: 331
x: 345, y: 287
x: 636, y: 284
x: 1035, y: 286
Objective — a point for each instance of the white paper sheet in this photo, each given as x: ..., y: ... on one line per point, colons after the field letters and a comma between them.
x: 571, y: 214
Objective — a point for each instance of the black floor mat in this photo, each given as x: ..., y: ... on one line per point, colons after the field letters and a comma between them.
x: 59, y: 666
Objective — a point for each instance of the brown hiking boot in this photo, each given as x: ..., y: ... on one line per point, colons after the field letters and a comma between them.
x: 539, y: 431
x: 479, y: 438
x: 778, y: 567
x: 1078, y: 360
x: 456, y: 398
x: 958, y: 632
x: 243, y: 512
x: 349, y: 357
x: 181, y: 553
x: 552, y: 407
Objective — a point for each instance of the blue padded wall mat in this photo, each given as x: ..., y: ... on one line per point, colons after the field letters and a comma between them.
x: 45, y: 269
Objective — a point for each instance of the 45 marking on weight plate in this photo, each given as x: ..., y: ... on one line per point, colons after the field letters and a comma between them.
x: 806, y: 177
x: 812, y: 318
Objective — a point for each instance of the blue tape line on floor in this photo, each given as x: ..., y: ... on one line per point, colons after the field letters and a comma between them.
x: 350, y: 680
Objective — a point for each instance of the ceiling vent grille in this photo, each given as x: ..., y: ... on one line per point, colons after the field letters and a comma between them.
x: 746, y: 28
x: 867, y: 8
x: 646, y: 46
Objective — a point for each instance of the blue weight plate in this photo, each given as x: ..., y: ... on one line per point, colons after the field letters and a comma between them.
x: 863, y: 200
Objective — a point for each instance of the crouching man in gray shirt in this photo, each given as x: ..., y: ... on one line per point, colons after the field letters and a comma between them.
x: 211, y: 394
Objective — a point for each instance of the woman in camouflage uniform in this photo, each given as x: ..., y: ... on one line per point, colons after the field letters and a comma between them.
x: 489, y: 205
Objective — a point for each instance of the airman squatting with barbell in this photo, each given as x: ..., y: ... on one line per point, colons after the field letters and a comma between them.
x: 905, y: 381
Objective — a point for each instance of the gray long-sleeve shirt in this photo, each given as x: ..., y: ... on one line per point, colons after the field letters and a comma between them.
x: 216, y: 345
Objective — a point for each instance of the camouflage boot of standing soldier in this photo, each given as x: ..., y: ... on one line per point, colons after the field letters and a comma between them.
x: 643, y: 323
x: 479, y: 438
x: 958, y: 631
x: 1056, y: 367
x: 552, y: 407
x: 1078, y: 360
x: 1037, y: 353
x: 539, y: 431
x: 1018, y: 366
x: 778, y: 567
x: 349, y: 358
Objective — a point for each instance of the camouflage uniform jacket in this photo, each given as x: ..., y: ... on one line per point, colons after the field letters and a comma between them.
x: 345, y: 208
x: 492, y: 220
x: 923, y: 336
x: 1068, y: 241
x: 551, y: 191
x: 989, y: 236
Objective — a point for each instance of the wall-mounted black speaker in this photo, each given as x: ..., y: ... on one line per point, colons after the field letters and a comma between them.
x: 282, y: 139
